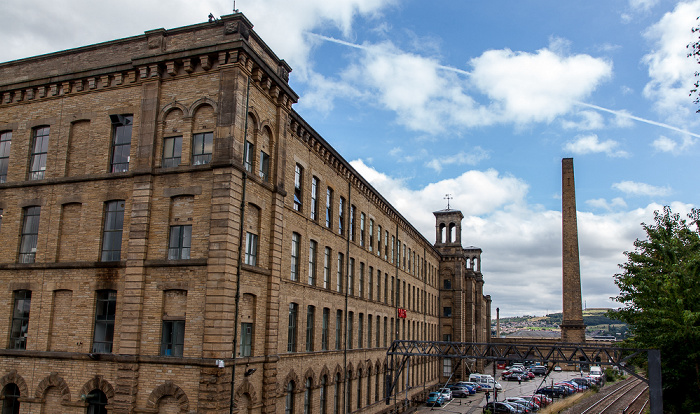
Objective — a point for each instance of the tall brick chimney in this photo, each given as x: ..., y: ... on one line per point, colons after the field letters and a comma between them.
x: 572, y: 328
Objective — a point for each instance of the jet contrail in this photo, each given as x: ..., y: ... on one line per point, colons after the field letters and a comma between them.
x: 464, y: 72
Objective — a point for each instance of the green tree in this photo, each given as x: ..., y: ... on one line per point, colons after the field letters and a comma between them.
x: 660, y: 297
x: 694, y: 52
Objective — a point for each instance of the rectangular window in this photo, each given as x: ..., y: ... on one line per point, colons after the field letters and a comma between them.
x: 371, y: 234
x: 112, y: 231
x: 409, y: 260
x: 369, y: 331
x: 392, y: 291
x: 392, y: 248
x: 329, y: 207
x: 324, y: 329
x: 339, y: 329
x: 251, y: 249
x: 386, y: 286
x: 351, y: 316
x: 180, y: 242
x: 40, y: 149
x: 298, y: 180
x: 5, y: 142
x: 292, y: 327
x: 404, y: 256
x: 447, y: 311
x: 264, y: 171
x: 296, y: 239
x: 378, y: 332
x: 362, y: 229
x: 341, y: 215
x: 202, y: 148
x: 121, y: 142
x: 379, y: 240
x: 339, y: 281
x: 386, y: 244
x: 20, y: 319
x: 379, y: 285
x: 360, y: 329
x: 248, y: 156
x: 314, y: 198
x: 360, y: 290
x: 386, y: 329
x: 446, y: 367
x: 30, y: 234
x: 327, y: 268
x: 172, y: 151
x: 352, y: 223
x: 173, y: 338
x: 447, y: 337
x: 312, y: 262
x: 370, y: 283
x: 310, y: 319
x: 105, y: 311
x: 246, y: 347
x: 351, y: 277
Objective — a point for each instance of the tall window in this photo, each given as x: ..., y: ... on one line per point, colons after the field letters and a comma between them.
x: 371, y: 234
x: 310, y: 319
x: 339, y: 329
x: 40, y: 149
x: 264, y: 171
x: 393, y: 243
x: 329, y: 207
x: 386, y: 329
x: 112, y: 231
x: 172, y: 151
x: 379, y: 240
x: 251, y: 249
x: 5, y: 141
x: 348, y: 335
x: 386, y: 244
x: 360, y: 289
x: 323, y: 391
x: 10, y: 395
x: 105, y: 311
x: 307, y: 397
x: 20, y: 319
x: 324, y: 329
x: 369, y: 331
x: 339, y: 281
x: 246, y: 339
x: 298, y: 179
x: 202, y: 145
x: 292, y: 328
x: 327, y: 268
x: 312, y: 262
x: 121, y: 142
x: 248, y: 156
x: 378, y: 329
x: 379, y: 285
x: 296, y: 239
x: 352, y: 223
x: 336, y: 397
x: 289, y: 399
x: 362, y: 229
x: 314, y: 198
x: 30, y: 234
x: 180, y: 242
x: 351, y: 277
x: 173, y: 338
x: 360, y: 329
x: 370, y: 283
x: 341, y: 215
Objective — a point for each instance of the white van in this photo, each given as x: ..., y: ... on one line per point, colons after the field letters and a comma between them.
x: 486, y: 381
x: 596, y: 372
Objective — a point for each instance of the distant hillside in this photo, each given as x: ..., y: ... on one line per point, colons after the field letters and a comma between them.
x: 596, y: 320
x: 591, y: 317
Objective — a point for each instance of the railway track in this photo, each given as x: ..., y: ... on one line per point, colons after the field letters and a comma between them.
x: 628, y: 397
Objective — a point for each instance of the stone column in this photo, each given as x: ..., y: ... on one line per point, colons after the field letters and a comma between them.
x: 572, y: 328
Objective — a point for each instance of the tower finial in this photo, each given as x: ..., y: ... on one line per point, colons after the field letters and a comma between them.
x: 448, y: 197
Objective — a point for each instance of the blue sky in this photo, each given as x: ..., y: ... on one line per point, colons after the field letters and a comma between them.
x: 478, y: 99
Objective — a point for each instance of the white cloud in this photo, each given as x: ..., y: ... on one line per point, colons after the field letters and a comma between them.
x: 589, y: 144
x: 635, y: 188
x: 643, y: 5
x: 537, y: 87
x: 666, y: 144
x: 671, y: 72
x: 604, y: 204
x: 521, y: 243
x: 473, y: 157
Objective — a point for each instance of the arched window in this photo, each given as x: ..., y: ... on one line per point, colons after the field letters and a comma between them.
x: 97, y: 402
x: 10, y: 403
x: 322, y: 397
x: 307, y: 397
x: 336, y: 397
x: 289, y: 399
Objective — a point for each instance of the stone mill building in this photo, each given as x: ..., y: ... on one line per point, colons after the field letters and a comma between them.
x: 175, y: 238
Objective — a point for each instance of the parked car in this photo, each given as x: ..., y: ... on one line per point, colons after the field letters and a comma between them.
x: 531, y: 406
x: 447, y: 393
x: 501, y: 408
x: 551, y: 391
x: 435, y: 398
x: 459, y: 391
x: 475, y: 385
x: 538, y: 369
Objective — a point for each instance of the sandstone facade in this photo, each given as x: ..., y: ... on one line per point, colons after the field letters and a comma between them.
x: 169, y: 222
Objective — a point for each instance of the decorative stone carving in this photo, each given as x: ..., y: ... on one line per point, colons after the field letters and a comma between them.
x: 237, y: 27
x: 205, y: 61
x: 170, y: 68
x: 187, y: 65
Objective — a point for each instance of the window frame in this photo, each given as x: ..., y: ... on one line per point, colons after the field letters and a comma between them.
x: 251, y: 249
x: 122, y: 128
x: 112, y: 231
x: 298, y: 187
x: 200, y: 142
x: 329, y: 208
x: 38, y: 156
x: 172, y: 342
x: 310, y: 327
x: 313, y: 249
x: 174, y: 157
x: 5, y: 147
x: 181, y: 249
x: 264, y: 169
x: 246, y: 345
x: 105, y: 315
x: 29, y: 236
x: 19, y: 325
x: 292, y: 327
x: 295, y: 256
x: 248, y: 156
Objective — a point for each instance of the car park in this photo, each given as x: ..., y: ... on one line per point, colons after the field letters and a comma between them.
x: 447, y: 393
x: 435, y: 398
